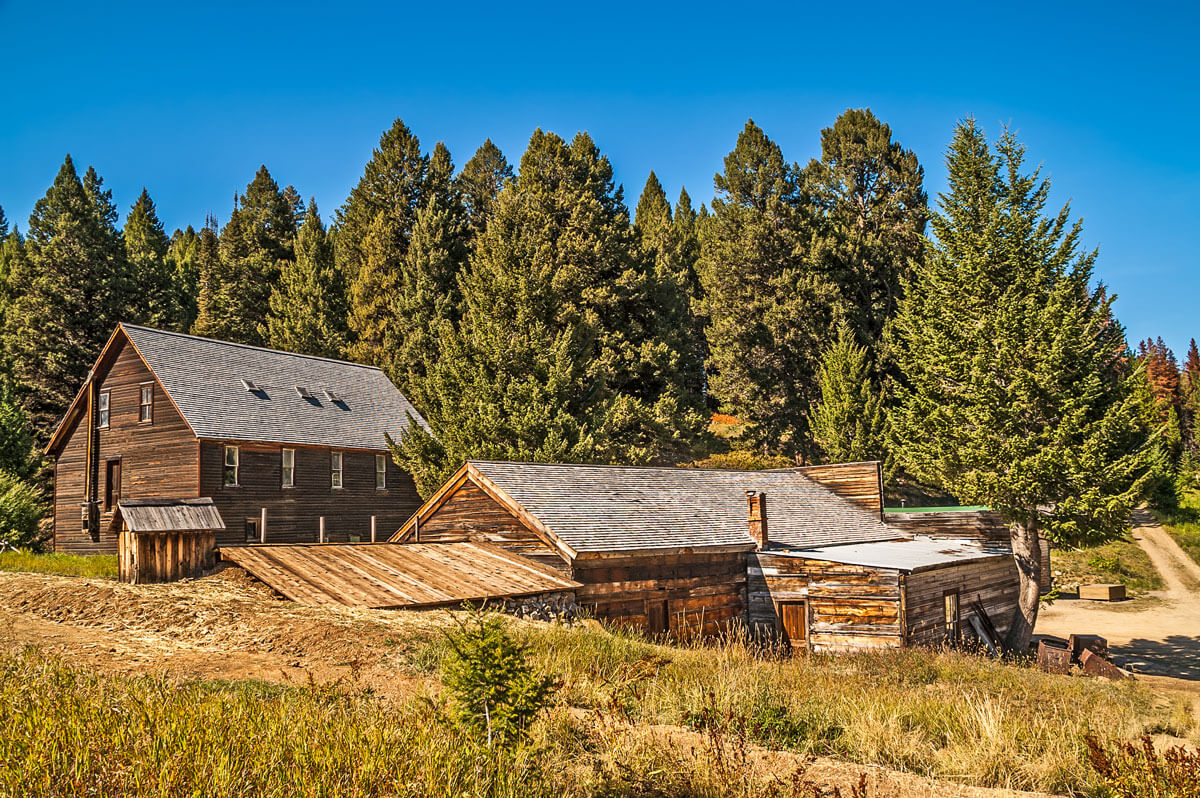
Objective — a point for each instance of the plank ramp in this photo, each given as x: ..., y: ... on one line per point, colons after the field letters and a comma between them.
x: 392, y: 575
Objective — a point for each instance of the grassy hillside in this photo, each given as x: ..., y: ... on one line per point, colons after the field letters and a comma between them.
x: 1120, y: 560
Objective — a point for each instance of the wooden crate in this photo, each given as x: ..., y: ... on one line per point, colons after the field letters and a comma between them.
x: 1102, y: 592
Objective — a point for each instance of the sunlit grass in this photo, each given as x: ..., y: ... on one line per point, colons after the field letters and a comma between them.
x: 99, y: 565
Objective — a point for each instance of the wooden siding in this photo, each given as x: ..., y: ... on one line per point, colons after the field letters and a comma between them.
x: 859, y: 483
x: 705, y: 593
x: 992, y: 582
x: 158, y: 459
x: 144, y: 557
x: 293, y: 514
x: 849, y: 606
x: 394, y: 575
x: 470, y: 514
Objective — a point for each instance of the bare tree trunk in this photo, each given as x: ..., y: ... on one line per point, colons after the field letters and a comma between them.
x: 1027, y: 551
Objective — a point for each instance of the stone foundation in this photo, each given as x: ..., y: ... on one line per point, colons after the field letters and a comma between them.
x: 560, y: 607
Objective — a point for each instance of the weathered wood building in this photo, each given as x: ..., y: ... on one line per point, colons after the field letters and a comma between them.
x: 287, y: 446
x: 799, y: 553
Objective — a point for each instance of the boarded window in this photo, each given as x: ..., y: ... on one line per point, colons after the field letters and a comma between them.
x: 231, y: 466
x: 146, y: 404
x: 112, y: 483
x: 381, y: 472
x: 335, y: 469
x: 102, y: 410
x: 950, y: 602
x: 658, y: 616
x: 288, y: 462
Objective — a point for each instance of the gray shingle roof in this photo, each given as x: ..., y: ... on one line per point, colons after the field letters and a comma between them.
x: 204, y: 379
x: 621, y: 508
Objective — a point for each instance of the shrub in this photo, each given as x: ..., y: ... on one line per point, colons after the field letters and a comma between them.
x: 1132, y: 770
x: 494, y: 692
x: 21, y: 511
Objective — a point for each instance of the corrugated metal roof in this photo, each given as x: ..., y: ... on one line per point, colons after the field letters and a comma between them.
x: 626, y: 508
x: 905, y: 555
x: 168, y: 515
x: 391, y: 575
x: 204, y: 378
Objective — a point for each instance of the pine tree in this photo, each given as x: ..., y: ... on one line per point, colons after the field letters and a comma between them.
x: 154, y: 298
x: 1013, y: 396
x: 213, y: 281
x: 373, y: 231
x: 183, y: 254
x: 848, y: 423
x: 479, y: 185
x: 870, y: 209
x: 544, y: 363
x: 769, y: 314
x: 308, y: 307
x: 68, y: 292
x: 1189, y: 394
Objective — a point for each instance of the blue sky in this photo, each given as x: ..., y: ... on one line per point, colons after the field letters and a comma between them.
x: 188, y: 99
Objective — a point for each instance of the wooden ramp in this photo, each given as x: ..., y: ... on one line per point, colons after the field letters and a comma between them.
x: 394, y: 575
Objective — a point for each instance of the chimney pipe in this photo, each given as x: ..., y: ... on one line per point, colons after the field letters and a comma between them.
x: 757, y: 518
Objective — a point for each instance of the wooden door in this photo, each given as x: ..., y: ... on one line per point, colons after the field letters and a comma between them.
x: 793, y: 622
x: 658, y: 616
x: 112, y: 484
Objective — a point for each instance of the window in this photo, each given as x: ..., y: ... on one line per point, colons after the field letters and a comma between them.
x: 146, y: 404
x: 112, y: 483
x: 335, y: 469
x: 231, y: 466
x: 252, y: 530
x: 950, y: 602
x: 381, y: 472
x: 288, y: 461
x: 102, y: 411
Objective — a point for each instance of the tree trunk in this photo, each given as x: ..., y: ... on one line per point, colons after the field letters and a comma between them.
x: 1027, y: 551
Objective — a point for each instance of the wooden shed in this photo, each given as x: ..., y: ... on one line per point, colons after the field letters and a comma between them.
x: 162, y: 540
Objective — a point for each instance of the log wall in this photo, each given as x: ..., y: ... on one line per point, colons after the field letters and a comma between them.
x: 158, y: 459
x: 858, y: 483
x: 850, y: 607
x: 293, y: 514
x: 993, y: 582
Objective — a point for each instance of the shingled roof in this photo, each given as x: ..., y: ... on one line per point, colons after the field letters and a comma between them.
x: 597, y: 509
x: 207, y: 380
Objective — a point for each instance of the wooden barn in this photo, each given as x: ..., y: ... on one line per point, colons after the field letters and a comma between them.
x: 289, y: 448
x: 799, y: 553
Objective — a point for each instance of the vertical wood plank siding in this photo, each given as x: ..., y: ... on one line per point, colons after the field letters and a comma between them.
x: 859, y: 483
x: 992, y: 582
x: 158, y: 459
x: 293, y: 513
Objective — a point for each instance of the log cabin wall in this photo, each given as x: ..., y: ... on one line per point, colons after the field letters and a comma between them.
x: 293, y: 514
x: 858, y: 483
x: 470, y: 514
x: 849, y: 607
x: 686, y: 594
x: 158, y: 459
x: 993, y: 582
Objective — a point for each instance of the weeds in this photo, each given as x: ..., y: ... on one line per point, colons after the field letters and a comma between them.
x: 1138, y: 770
x: 100, y: 566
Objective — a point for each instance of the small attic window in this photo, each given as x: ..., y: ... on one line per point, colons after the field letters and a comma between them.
x: 250, y: 386
x: 303, y: 392
x: 331, y: 396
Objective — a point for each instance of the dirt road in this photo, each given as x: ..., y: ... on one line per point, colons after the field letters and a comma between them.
x: 1163, y: 638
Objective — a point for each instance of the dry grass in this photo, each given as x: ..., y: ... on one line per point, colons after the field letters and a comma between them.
x: 1121, y: 560
x: 98, y: 566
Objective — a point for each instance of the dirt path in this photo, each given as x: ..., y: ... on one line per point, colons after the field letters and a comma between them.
x: 1163, y: 638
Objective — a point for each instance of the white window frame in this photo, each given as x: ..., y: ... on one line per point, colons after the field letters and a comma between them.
x: 235, y: 465
x: 288, y: 469
x: 145, y: 409
x: 103, y: 410
x: 381, y: 472
x: 337, y: 463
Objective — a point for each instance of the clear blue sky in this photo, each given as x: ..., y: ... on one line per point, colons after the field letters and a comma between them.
x: 189, y: 98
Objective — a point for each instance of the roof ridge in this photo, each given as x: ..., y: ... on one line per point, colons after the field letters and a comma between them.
x: 685, y: 469
x: 129, y: 325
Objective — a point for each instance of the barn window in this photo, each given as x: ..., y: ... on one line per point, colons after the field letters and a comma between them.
x: 381, y: 472
x: 288, y: 461
x: 146, y: 403
x: 335, y: 469
x: 102, y: 411
x: 231, y: 466
x: 950, y: 602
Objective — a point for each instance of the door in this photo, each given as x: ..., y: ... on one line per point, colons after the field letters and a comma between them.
x: 793, y: 622
x: 112, y: 483
x: 950, y: 605
x: 658, y: 615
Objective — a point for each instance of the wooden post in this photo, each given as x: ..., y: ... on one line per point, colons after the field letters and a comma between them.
x: 262, y: 526
x: 321, y: 533
x: 372, y: 529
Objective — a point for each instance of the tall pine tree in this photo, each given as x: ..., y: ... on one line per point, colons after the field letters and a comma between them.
x: 213, y: 283
x: 183, y: 261
x: 479, y: 185
x: 769, y: 314
x: 1013, y: 396
x: 308, y: 307
x: 848, y: 423
x: 154, y: 297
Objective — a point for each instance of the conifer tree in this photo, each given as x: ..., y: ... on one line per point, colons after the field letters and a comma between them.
x: 213, y: 281
x: 1013, y: 396
x: 866, y: 194
x: 479, y: 185
x: 848, y: 422
x: 770, y: 315
x: 373, y: 231
x: 183, y: 262
x: 68, y: 293
x: 154, y: 297
x: 1189, y: 394
x: 308, y: 307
